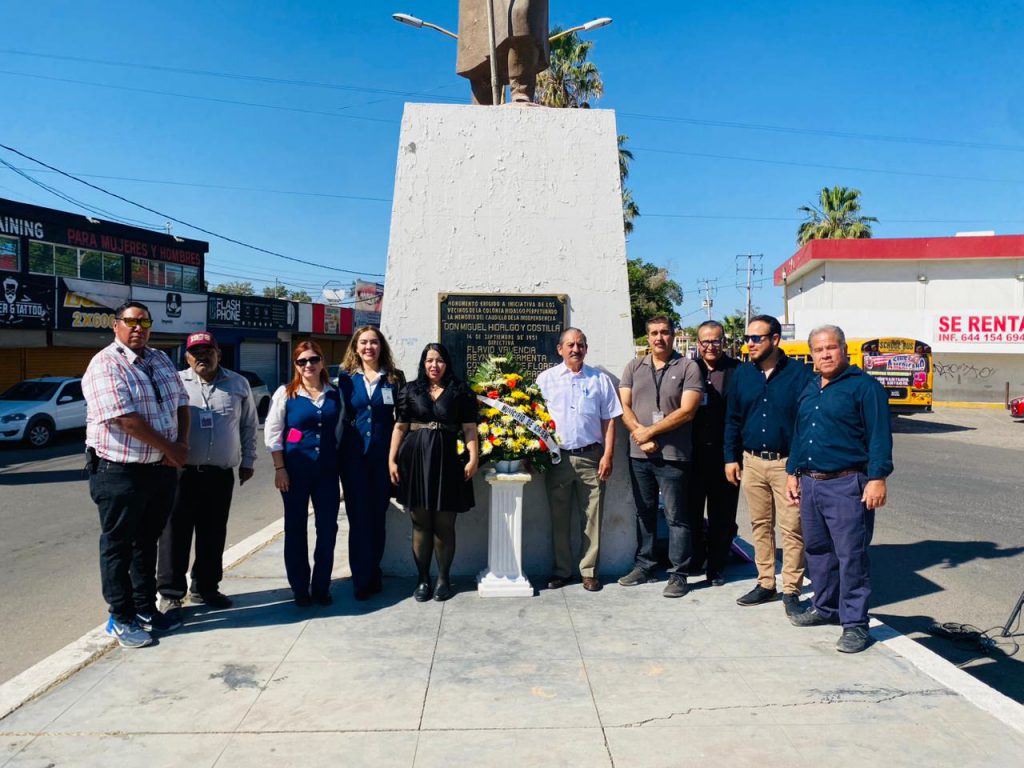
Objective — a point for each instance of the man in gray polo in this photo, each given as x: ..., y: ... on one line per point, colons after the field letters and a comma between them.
x: 660, y: 395
x: 583, y: 403
x: 223, y: 437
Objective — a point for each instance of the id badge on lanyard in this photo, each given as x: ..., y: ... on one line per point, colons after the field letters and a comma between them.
x: 206, y: 419
x: 387, y: 394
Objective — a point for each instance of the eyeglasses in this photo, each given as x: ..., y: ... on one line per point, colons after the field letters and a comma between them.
x: 142, y: 322
x: 756, y: 338
x: 302, y: 362
x: 711, y: 343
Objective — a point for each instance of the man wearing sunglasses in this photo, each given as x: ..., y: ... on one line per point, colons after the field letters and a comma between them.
x: 137, y: 425
x: 759, y: 422
x: 707, y: 481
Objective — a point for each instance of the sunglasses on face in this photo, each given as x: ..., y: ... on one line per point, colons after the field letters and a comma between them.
x: 302, y: 362
x: 142, y: 322
x: 756, y: 338
x: 711, y: 343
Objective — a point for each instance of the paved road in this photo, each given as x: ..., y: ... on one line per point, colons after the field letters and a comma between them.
x: 50, y: 584
x: 949, y: 545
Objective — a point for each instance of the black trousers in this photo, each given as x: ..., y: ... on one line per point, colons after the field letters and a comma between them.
x: 202, y: 504
x: 708, y: 485
x: 134, y: 501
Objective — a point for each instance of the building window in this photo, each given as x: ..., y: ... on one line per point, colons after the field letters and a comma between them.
x: 190, y: 279
x: 9, y: 254
x: 157, y: 274
x: 64, y: 261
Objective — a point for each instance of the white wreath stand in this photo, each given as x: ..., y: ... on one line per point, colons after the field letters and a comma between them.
x: 503, y: 576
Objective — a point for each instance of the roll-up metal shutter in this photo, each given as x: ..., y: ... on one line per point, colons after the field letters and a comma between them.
x: 261, y: 359
x: 57, y: 361
x: 12, y: 369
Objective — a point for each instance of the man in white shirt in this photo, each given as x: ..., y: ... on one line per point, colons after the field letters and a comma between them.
x: 583, y: 403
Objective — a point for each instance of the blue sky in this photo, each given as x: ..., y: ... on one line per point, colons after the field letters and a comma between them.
x: 737, y: 114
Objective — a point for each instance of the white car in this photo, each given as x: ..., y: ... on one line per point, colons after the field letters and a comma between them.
x: 260, y: 393
x: 34, y: 409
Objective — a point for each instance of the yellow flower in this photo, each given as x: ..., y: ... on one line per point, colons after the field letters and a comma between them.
x: 506, y: 419
x: 490, y: 413
x: 460, y: 447
x: 483, y: 429
x: 486, y: 448
x: 518, y: 394
x: 478, y: 388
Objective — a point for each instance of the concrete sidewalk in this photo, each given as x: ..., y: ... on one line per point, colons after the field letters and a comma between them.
x: 619, y: 678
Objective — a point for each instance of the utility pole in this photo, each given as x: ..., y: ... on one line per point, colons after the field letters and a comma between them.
x: 709, y: 288
x: 751, y: 269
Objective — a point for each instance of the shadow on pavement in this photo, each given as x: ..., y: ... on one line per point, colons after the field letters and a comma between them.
x: 997, y: 662
x: 906, y: 426
x: 64, y: 444
x: 897, y: 567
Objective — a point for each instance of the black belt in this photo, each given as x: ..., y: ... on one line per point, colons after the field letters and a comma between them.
x: 768, y: 455
x: 584, y: 449
x: 415, y: 426
x: 132, y: 464
x: 831, y: 475
x: 205, y: 468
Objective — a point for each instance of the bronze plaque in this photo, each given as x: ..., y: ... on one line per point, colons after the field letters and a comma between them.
x: 476, y: 326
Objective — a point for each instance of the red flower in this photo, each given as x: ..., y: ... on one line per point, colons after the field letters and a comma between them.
x: 491, y: 439
x: 536, y: 406
x: 551, y: 424
x: 543, y: 445
x: 494, y: 394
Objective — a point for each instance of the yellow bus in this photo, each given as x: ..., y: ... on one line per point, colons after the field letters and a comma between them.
x: 903, y: 366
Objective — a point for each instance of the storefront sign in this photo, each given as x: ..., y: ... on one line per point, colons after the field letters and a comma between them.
x: 227, y: 311
x: 26, y: 301
x: 90, y: 305
x: 980, y: 328
x: 475, y: 327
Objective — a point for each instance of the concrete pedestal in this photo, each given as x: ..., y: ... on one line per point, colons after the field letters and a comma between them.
x: 510, y: 200
x: 503, y: 576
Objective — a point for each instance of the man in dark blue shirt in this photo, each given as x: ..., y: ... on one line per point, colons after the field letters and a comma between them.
x: 760, y: 414
x: 840, y: 457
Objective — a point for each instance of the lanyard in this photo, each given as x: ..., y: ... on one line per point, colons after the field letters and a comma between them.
x: 657, y: 382
x: 145, y: 370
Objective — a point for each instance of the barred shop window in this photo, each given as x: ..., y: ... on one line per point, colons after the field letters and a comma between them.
x: 190, y: 279
x: 140, y: 271
x: 113, y: 268
x: 65, y: 261
x: 90, y: 265
x: 9, y: 254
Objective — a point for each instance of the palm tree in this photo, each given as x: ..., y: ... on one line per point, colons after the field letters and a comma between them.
x: 630, y: 210
x: 837, y: 218
x: 570, y: 80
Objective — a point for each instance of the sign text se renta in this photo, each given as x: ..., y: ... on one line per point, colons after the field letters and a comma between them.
x: 980, y: 328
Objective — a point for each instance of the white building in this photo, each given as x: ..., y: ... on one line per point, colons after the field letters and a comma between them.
x: 962, y: 295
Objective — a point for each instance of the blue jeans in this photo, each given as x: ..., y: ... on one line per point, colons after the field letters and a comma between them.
x: 647, y: 477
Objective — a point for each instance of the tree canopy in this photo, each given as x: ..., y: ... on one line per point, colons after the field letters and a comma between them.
x: 279, y: 291
x: 836, y: 217
x: 235, y: 288
x: 651, y: 292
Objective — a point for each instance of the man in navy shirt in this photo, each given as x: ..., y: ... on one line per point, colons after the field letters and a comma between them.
x: 760, y: 414
x: 840, y: 457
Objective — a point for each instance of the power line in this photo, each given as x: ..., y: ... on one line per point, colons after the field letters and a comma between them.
x: 824, y: 166
x: 184, y: 223
x: 751, y: 269
x: 827, y: 132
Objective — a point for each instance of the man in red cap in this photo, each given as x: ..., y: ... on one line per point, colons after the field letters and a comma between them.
x: 223, y: 437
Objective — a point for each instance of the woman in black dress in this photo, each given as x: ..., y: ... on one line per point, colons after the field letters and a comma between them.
x: 434, y: 481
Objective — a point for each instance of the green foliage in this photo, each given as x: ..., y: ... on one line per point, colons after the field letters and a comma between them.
x: 300, y: 296
x: 836, y: 217
x: 735, y: 329
x: 235, y: 288
x: 570, y: 80
x: 651, y: 292
x: 279, y: 291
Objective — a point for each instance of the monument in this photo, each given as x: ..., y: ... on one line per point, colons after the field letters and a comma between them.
x: 494, y: 206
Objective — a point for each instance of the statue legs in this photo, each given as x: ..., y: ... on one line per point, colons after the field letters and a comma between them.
x: 523, y: 58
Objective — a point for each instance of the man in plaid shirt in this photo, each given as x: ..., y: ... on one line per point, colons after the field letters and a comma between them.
x: 136, y: 436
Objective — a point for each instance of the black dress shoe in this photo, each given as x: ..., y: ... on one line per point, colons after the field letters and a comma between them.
x: 758, y: 595
x: 323, y: 599
x: 853, y: 640
x: 423, y: 592
x: 557, y: 582
x: 303, y: 601
x: 716, y: 579
x: 443, y: 591
x: 811, y: 618
x: 793, y: 606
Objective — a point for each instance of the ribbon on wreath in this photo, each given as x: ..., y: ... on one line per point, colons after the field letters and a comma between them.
x: 529, y: 423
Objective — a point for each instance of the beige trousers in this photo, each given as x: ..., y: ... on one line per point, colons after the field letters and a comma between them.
x: 764, y: 486
x: 573, y: 486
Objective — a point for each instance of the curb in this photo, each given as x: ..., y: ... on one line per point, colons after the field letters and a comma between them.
x: 60, y: 665
x: 975, y: 406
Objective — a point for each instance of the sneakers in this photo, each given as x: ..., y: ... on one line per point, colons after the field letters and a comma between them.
x: 676, y: 586
x: 758, y: 595
x: 637, y: 576
x: 171, y: 608
x: 811, y: 618
x: 215, y: 599
x: 793, y: 606
x: 154, y: 621
x: 129, y: 635
x: 853, y: 640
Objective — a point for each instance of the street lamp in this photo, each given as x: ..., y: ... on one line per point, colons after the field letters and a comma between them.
x: 412, y: 21
x: 604, y: 21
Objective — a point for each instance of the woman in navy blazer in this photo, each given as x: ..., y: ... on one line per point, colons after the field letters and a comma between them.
x: 370, y: 383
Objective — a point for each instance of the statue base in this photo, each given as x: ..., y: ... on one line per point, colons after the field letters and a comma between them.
x: 503, y: 576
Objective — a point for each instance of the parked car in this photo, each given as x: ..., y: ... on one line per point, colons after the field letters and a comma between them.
x: 333, y: 372
x: 260, y: 393
x: 1017, y: 408
x: 34, y: 409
